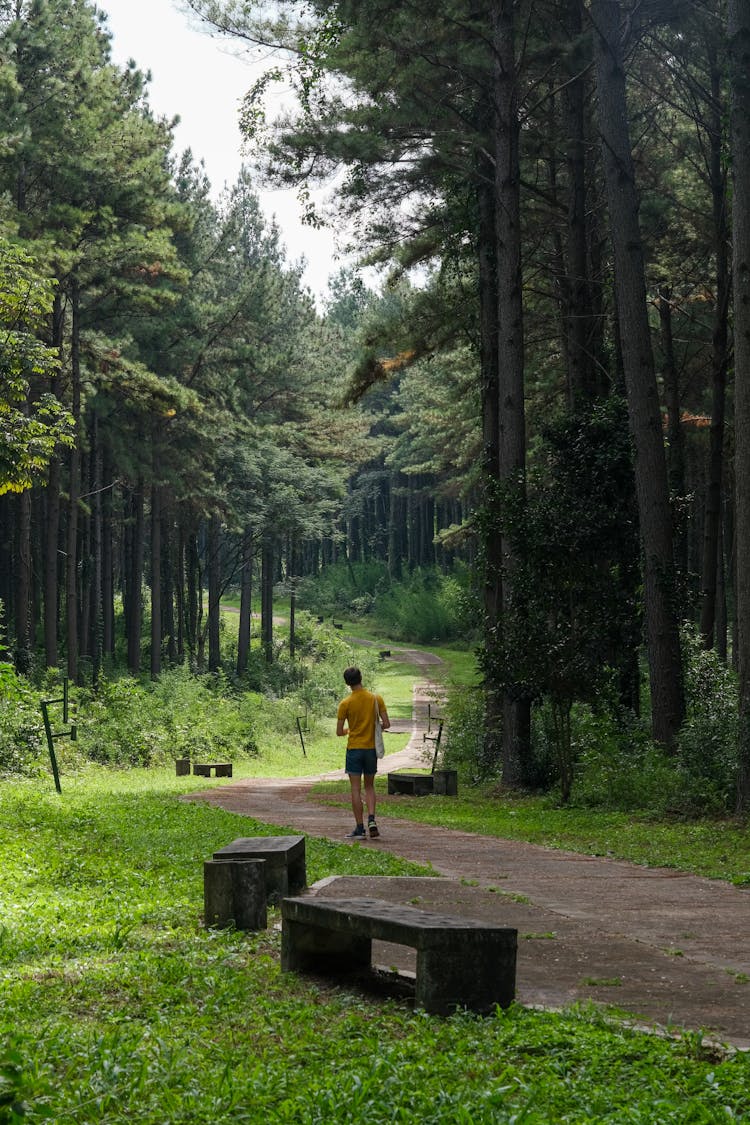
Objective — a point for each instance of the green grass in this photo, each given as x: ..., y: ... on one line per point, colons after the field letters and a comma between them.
x: 118, y: 1006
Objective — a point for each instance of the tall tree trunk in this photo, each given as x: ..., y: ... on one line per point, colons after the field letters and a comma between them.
x: 135, y: 598
x: 169, y: 629
x: 291, y: 571
x: 490, y: 404
x: 180, y: 591
x: 108, y: 585
x: 23, y: 581
x: 516, y: 739
x: 155, y: 578
x: 675, y: 437
x: 214, y: 592
x: 738, y: 26
x: 71, y: 562
x: 582, y: 375
x: 246, y: 602
x: 85, y: 558
x: 661, y: 618
x: 395, y: 527
x: 719, y: 363
x: 52, y: 561
x: 52, y: 520
x: 266, y: 602
x: 96, y: 608
x: 194, y: 594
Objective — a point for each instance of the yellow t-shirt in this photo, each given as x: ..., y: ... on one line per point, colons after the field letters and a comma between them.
x: 359, y: 710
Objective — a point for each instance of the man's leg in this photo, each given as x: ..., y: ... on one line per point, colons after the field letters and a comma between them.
x: 372, y: 827
x: 356, y: 785
x: 369, y: 793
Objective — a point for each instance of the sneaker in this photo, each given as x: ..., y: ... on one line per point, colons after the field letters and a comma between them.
x: 372, y: 828
x: 358, y: 833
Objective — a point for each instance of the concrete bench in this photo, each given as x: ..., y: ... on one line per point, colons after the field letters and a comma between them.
x: 411, y: 784
x: 234, y: 894
x: 284, y: 866
x: 461, y: 963
x: 443, y: 783
x: 221, y: 769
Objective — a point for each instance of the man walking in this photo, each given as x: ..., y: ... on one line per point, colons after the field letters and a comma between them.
x: 356, y: 720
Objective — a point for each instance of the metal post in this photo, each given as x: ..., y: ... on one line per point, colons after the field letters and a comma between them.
x: 302, y: 741
x: 50, y: 743
x: 72, y: 734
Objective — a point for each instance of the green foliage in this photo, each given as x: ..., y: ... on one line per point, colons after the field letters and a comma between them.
x: 130, y: 723
x: 425, y: 607
x: 428, y: 607
x: 344, y: 588
x: 572, y: 624
x: 29, y: 429
x: 22, y: 738
x: 618, y: 766
x: 707, y: 745
x: 13, y: 1084
x: 465, y: 716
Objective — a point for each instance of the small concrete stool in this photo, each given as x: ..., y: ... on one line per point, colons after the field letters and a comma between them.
x: 234, y: 894
x: 284, y: 856
x: 182, y: 766
x: 446, y: 783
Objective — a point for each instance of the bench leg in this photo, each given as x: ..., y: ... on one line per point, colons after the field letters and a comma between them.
x: 234, y: 894
x: 306, y: 947
x: 478, y: 977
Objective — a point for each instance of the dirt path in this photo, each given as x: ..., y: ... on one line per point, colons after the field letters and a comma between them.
x: 667, y: 948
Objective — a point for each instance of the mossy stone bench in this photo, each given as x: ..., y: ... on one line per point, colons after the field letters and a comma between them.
x: 461, y: 963
x: 221, y: 769
x: 443, y: 783
x: 284, y: 868
x: 411, y: 784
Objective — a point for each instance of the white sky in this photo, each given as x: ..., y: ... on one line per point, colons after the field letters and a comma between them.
x: 202, y: 80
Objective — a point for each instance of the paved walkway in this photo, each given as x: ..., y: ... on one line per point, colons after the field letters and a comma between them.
x: 669, y: 949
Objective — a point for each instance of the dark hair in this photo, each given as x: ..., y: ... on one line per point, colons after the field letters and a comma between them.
x: 352, y: 676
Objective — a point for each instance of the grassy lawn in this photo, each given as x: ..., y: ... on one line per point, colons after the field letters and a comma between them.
x: 118, y: 1006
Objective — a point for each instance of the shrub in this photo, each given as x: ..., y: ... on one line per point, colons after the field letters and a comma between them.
x: 428, y: 607
x: 22, y: 738
x: 617, y: 764
x: 707, y: 744
x: 464, y: 712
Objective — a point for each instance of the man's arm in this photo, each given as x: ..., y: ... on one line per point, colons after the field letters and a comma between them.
x: 385, y: 722
x: 340, y: 729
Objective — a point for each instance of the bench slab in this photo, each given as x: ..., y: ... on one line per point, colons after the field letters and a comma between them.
x: 221, y: 769
x: 412, y: 784
x: 461, y: 963
x: 443, y: 783
x: 285, y: 868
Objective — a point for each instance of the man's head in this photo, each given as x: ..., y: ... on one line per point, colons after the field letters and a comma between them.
x: 352, y: 676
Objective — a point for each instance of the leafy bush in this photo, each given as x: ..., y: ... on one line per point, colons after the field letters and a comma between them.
x: 707, y: 745
x: 465, y: 720
x: 425, y: 607
x: 22, y: 738
x: 428, y: 607
x: 618, y: 766
x: 344, y: 588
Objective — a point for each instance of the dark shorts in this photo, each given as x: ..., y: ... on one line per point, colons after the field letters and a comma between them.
x: 361, y: 762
